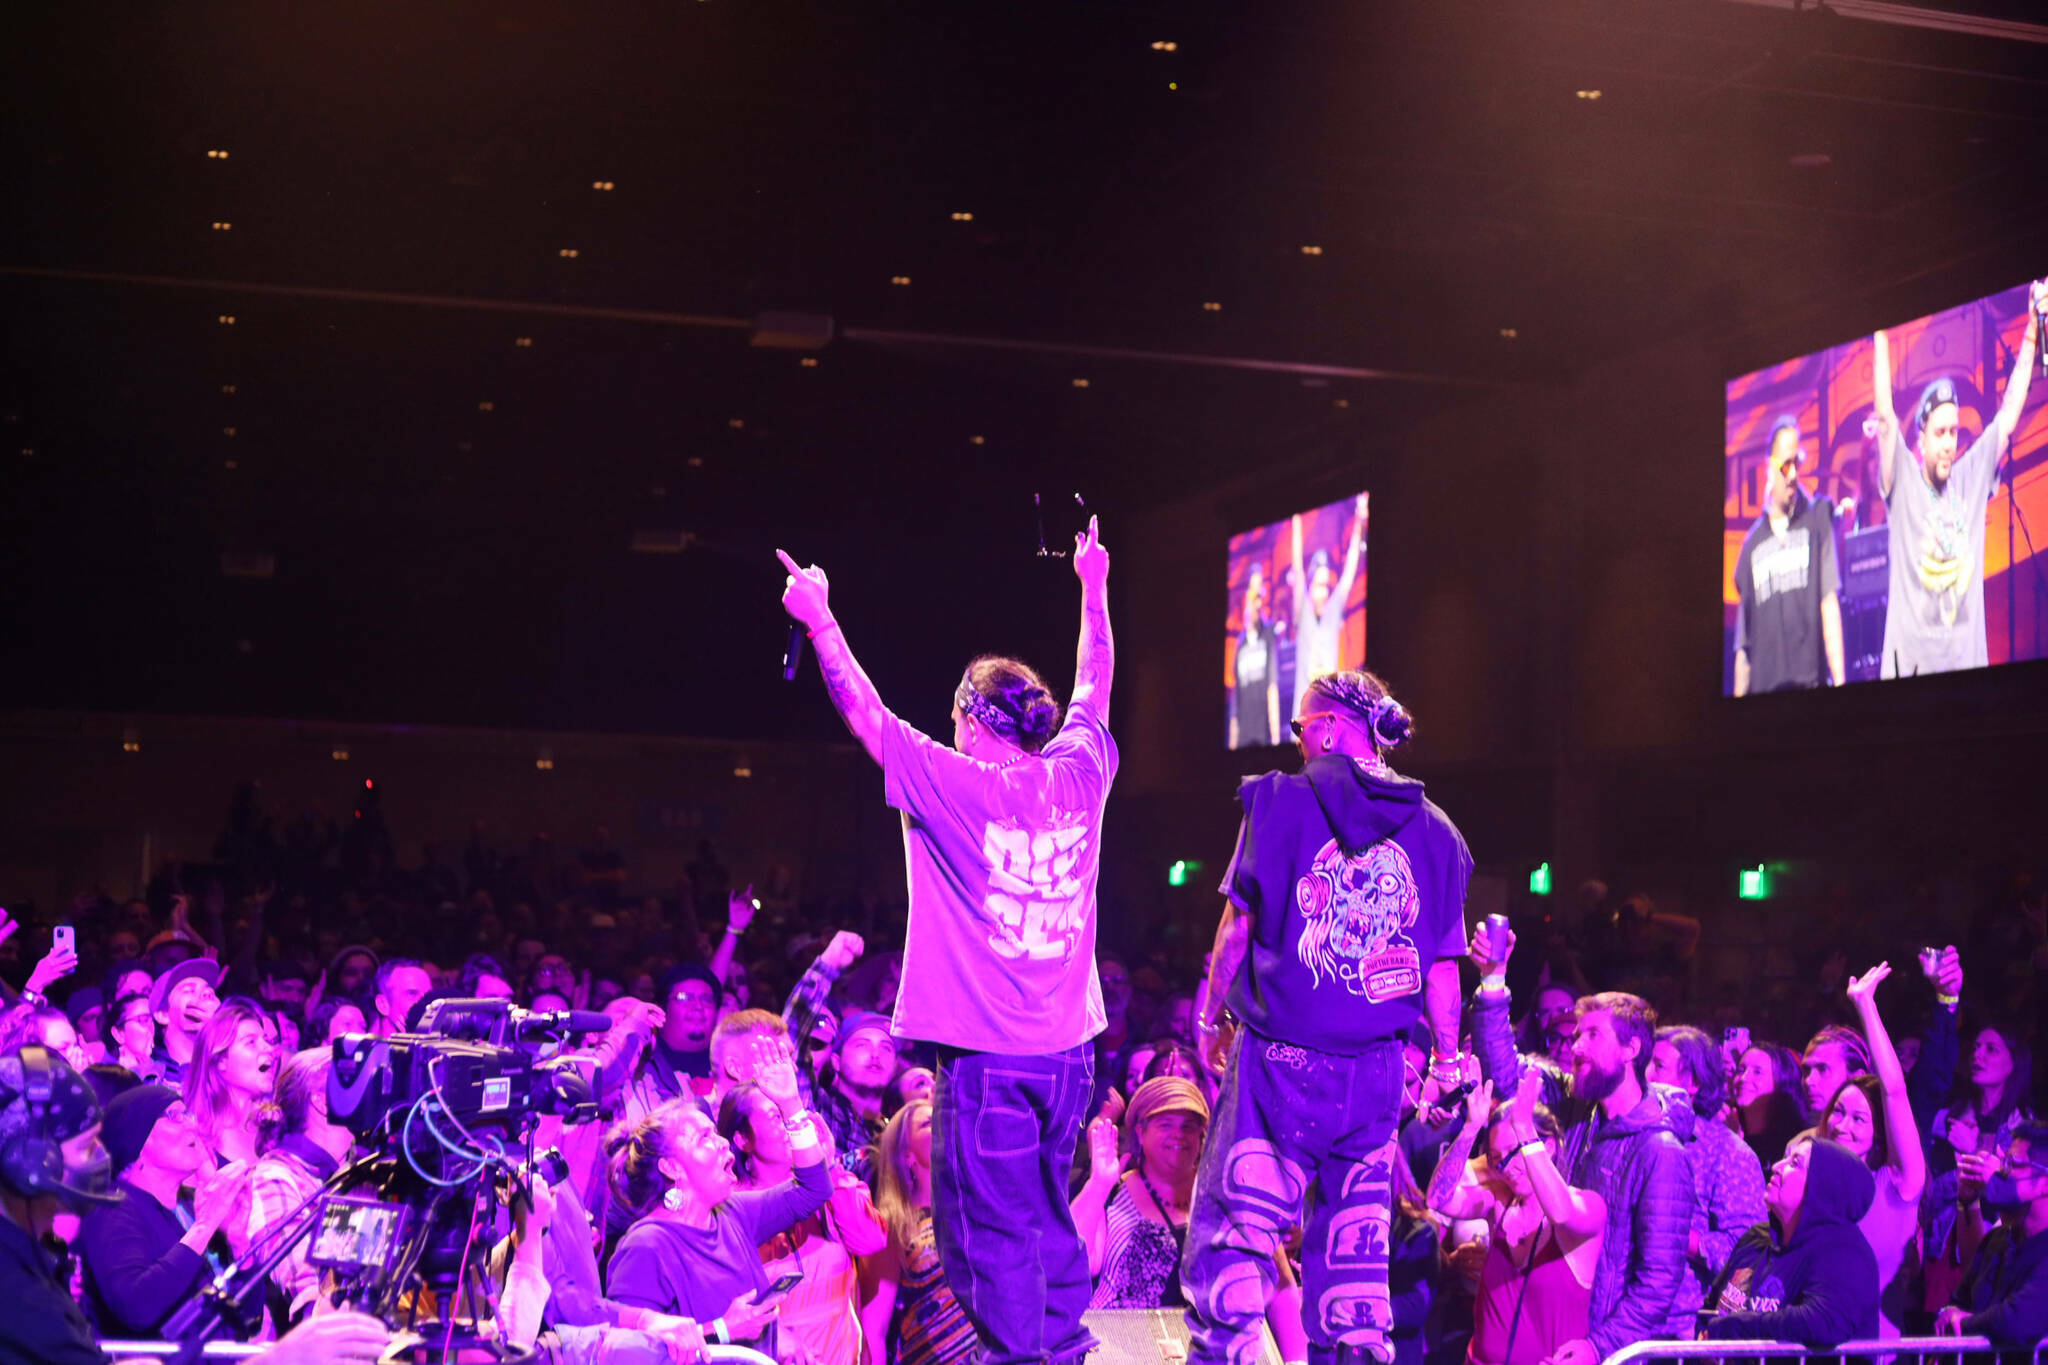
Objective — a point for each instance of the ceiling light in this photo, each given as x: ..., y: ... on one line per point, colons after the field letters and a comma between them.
x: 131, y: 740
x: 567, y: 253
x: 227, y: 431
x: 545, y: 760
x: 1509, y: 333
x: 215, y: 154
x: 899, y: 279
x: 339, y: 753
x: 601, y: 184
x: 523, y: 343
x: 226, y: 319
x: 1343, y: 402
x: 487, y: 406
x: 228, y: 389
x: 1311, y: 251
x: 743, y: 771
x: 809, y: 362
x: 695, y: 462
x: 1588, y: 94
x: 1173, y: 85
x: 223, y: 227
x: 977, y: 440
x: 1212, y: 307
x: 1080, y: 383
x: 1166, y: 47
x: 963, y: 217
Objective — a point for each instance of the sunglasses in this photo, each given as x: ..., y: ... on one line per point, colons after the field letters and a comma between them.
x: 1301, y: 723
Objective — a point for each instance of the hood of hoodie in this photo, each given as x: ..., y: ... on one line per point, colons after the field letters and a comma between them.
x: 1679, y: 1115
x: 1839, y: 1191
x: 1362, y: 808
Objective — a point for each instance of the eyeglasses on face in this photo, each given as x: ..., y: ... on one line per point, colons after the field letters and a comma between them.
x: 1301, y: 723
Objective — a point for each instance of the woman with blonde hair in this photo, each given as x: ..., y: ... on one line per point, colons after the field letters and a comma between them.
x: 231, y: 1084
x: 907, y: 1313
x: 1134, y: 1221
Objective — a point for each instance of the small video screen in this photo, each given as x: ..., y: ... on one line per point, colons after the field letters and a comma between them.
x: 1296, y: 610
x: 1884, y: 504
x: 357, y: 1234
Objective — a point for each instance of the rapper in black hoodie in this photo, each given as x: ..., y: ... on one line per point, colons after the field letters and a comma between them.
x: 1343, y: 926
x: 1808, y: 1275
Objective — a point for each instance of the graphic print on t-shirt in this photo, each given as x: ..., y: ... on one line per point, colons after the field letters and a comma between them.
x: 1356, y: 914
x: 1781, y: 564
x: 1036, y: 900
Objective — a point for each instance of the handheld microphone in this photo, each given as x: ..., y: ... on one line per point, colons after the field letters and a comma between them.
x: 793, y: 652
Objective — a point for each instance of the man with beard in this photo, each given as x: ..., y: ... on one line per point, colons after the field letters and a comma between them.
x: 1788, y: 617
x: 1341, y: 928
x: 1935, y: 503
x: 1620, y: 1145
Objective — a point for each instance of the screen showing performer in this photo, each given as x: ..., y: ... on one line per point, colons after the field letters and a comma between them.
x: 1296, y: 610
x: 1880, y: 504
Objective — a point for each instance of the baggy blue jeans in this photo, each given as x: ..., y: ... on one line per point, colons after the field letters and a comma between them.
x: 1295, y: 1128
x: 1003, y: 1136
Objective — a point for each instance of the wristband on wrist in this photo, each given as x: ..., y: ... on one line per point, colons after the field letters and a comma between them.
x: 718, y: 1329
x: 34, y: 996
x: 1947, y: 1001
x: 1494, y: 983
x: 829, y: 627
x: 1532, y: 1147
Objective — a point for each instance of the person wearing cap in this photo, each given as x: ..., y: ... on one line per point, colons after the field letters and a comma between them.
x: 181, y: 1001
x: 1002, y: 837
x: 1342, y: 925
x: 863, y: 1064
x: 1936, y: 502
x: 146, y: 1255
x: 51, y: 1161
x: 85, y: 1007
x: 1788, y: 614
x: 677, y: 1062
x: 1134, y: 1221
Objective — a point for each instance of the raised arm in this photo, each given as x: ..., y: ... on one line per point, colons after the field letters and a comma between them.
x: 806, y: 596
x: 1090, y: 1207
x: 1353, y: 553
x: 2022, y: 367
x: 1095, y: 657
x: 1582, y: 1213
x: 1453, y: 1192
x: 1887, y: 416
x: 1908, y: 1158
x: 1297, y: 576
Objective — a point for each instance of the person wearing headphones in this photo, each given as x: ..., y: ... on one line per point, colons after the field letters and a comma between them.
x: 1342, y: 927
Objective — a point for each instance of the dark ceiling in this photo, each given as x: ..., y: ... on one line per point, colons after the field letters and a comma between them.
x: 443, y: 493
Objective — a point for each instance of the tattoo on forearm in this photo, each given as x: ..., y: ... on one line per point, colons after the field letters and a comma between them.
x: 850, y: 691
x: 1098, y: 646
x: 1450, y: 1168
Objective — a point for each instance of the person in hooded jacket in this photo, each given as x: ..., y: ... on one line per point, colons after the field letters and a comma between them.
x: 1342, y: 926
x: 1620, y: 1144
x: 1808, y: 1275
x: 2005, y: 1294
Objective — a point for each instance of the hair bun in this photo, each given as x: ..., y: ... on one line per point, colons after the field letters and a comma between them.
x: 1391, y: 723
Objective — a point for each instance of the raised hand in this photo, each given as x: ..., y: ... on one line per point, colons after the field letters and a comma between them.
x: 8, y: 924
x: 806, y: 595
x: 220, y: 1195
x: 1522, y: 1109
x: 1091, y: 561
x: 1105, y: 1162
x: 739, y: 910
x: 844, y: 950
x: 1479, y: 1104
x: 1489, y: 957
x: 774, y: 1072
x: 57, y: 964
x: 1864, y: 987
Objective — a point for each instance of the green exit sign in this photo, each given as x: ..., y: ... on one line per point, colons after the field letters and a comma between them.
x: 1539, y: 880
x: 1753, y: 884
x: 1178, y: 872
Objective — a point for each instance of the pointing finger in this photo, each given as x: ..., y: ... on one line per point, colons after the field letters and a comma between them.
x: 787, y: 562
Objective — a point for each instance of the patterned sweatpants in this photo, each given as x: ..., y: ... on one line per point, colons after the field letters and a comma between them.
x: 1307, y: 1137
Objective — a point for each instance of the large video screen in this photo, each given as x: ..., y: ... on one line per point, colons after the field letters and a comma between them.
x: 1296, y: 609
x: 1884, y: 502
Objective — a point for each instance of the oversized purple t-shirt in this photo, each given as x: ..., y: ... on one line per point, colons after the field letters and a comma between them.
x: 1002, y: 861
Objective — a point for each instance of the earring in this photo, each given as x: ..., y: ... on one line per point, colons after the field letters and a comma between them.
x: 673, y: 1200
x: 1327, y: 741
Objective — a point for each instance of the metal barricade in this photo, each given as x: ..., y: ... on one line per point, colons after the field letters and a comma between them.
x: 1962, y: 1350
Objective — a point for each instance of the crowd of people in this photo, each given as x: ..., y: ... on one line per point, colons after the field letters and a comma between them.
x: 760, y: 1168
x: 836, y: 1152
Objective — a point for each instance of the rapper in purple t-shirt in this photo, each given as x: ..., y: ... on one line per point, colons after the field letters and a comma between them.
x: 1002, y: 840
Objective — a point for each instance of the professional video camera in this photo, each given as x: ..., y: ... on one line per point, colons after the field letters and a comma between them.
x: 444, y: 1115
